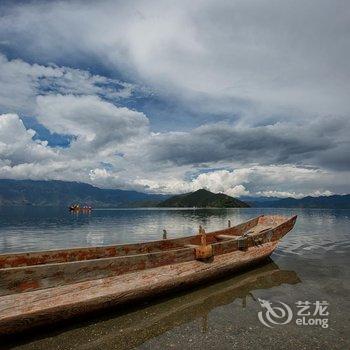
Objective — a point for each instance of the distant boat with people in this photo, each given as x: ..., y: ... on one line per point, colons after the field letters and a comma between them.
x: 78, y: 208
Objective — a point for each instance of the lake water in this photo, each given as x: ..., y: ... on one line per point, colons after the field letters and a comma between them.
x: 311, y: 264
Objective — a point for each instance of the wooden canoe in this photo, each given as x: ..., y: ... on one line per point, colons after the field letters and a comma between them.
x: 126, y: 330
x: 38, y: 288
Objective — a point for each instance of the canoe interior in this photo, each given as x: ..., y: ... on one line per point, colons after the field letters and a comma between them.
x: 90, y: 253
x: 22, y: 272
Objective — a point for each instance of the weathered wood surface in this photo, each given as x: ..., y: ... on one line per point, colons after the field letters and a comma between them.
x: 24, y: 310
x: 23, y: 279
x: 89, y: 253
x: 184, y: 311
x: 35, y: 290
x: 126, y: 331
x: 29, y: 278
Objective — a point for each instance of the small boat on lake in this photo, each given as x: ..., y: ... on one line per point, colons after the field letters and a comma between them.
x: 76, y: 208
x: 38, y: 288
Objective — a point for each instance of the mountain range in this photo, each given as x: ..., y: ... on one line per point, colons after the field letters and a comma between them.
x: 65, y: 193
x: 322, y: 202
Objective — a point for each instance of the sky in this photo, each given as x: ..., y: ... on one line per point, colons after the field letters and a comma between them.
x: 248, y: 98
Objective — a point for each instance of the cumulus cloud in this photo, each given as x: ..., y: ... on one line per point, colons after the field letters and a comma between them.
x: 95, y: 123
x: 27, y: 158
x: 270, y: 181
x: 17, y: 145
x: 293, y: 194
x: 21, y: 82
x: 22, y: 157
x: 284, y: 143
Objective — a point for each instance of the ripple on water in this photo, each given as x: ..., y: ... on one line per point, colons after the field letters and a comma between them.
x: 314, y: 245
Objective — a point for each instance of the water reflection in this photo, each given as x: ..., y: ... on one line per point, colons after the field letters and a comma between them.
x: 128, y: 328
x: 33, y: 228
x: 26, y: 228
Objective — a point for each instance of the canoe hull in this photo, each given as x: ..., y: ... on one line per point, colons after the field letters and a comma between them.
x: 87, y: 297
x: 40, y: 288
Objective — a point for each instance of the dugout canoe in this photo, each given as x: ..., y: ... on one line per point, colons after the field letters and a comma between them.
x: 38, y: 288
x: 126, y: 330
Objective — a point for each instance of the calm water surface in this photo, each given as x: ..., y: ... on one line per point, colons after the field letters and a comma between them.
x: 310, y: 264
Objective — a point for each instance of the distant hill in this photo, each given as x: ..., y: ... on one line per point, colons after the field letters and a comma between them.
x: 203, y: 199
x: 323, y: 202
x: 64, y: 193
